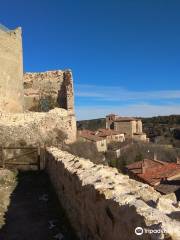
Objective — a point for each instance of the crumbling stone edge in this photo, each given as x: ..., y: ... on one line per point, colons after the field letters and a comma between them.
x: 104, y: 204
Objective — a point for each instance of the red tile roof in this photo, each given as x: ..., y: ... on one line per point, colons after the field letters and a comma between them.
x: 122, y: 119
x: 102, y: 132
x: 154, y: 170
x: 97, y: 135
x: 90, y: 135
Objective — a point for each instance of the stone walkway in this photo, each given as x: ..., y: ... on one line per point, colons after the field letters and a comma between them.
x: 34, y: 212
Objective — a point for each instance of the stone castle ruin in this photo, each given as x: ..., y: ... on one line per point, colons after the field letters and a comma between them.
x: 11, y: 71
x: 44, y: 90
x: 35, y: 102
x: 101, y: 203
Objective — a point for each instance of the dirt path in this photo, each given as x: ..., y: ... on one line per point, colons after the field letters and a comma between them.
x: 34, y: 212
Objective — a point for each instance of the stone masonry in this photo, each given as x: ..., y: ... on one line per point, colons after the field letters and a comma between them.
x: 103, y: 204
x: 34, y: 128
x: 11, y: 71
x: 131, y: 127
x: 47, y: 90
x: 58, y: 85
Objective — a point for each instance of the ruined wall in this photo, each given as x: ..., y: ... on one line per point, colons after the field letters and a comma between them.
x: 11, y: 71
x: 103, y: 204
x: 46, y: 90
x: 34, y: 128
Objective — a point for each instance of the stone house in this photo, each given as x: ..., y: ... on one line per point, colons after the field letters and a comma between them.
x: 110, y: 135
x: 89, y: 136
x: 131, y: 127
x: 140, y: 137
x: 101, y: 137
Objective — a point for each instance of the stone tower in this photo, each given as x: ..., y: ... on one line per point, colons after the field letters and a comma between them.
x: 11, y: 71
x: 110, y: 121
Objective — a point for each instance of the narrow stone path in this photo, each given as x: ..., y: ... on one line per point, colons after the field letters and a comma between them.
x: 34, y: 212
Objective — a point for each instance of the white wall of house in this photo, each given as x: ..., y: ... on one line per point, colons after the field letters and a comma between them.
x: 101, y: 145
x: 118, y: 138
x: 140, y: 137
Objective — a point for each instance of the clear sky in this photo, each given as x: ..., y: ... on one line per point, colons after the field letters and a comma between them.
x: 124, y: 54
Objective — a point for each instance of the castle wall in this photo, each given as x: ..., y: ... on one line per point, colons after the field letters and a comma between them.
x: 11, y: 71
x: 46, y: 90
x: 35, y: 128
x: 103, y: 204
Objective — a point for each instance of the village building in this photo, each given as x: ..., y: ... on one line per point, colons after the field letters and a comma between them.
x: 101, y: 138
x: 89, y: 136
x: 163, y: 176
x: 131, y: 127
x: 110, y: 135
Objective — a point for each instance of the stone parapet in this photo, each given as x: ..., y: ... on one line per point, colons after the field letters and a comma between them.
x: 103, y: 204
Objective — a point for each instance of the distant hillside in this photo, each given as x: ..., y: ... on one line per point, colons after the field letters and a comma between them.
x: 170, y: 120
x: 162, y: 129
x: 92, y: 124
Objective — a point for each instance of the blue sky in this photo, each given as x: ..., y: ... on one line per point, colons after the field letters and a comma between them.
x: 125, y: 55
